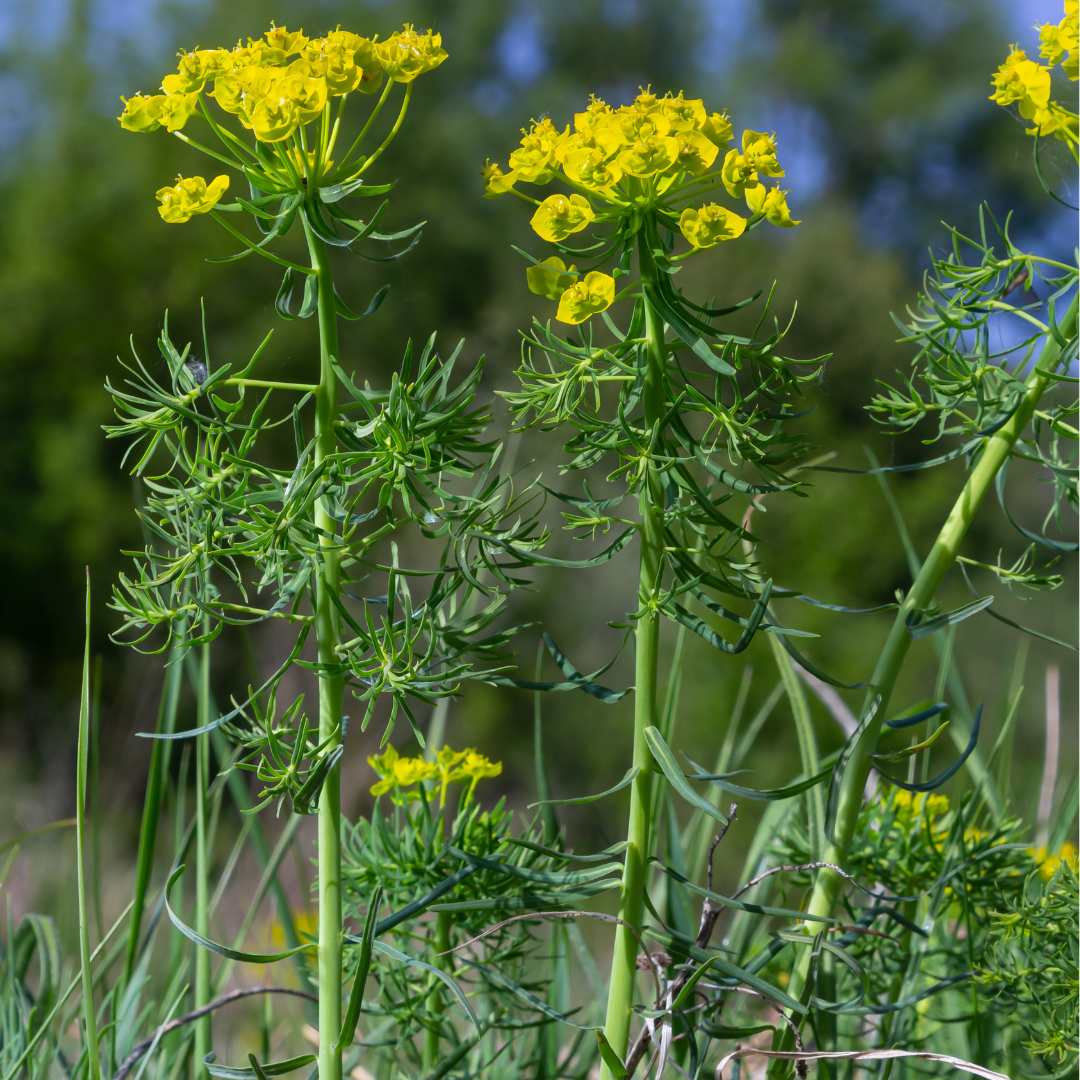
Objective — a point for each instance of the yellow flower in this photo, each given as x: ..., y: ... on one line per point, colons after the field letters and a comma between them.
x: 599, y: 138
x: 696, y: 153
x: 363, y: 55
x: 717, y: 129
x: 279, y: 38
x: 1053, y: 120
x: 773, y: 205
x: 759, y: 150
x: 532, y: 160
x: 409, y: 771
x: 1022, y: 81
x: 596, y: 112
x: 649, y: 156
x: 549, y: 278
x: 740, y: 171
x: 141, y: 113
x: 176, y: 110
x: 274, y: 117
x: 910, y: 805
x: 496, y: 182
x: 710, y: 225
x: 407, y: 54
x: 307, y: 92
x: 736, y: 173
x: 340, y: 70
x: 594, y: 293
x: 1048, y: 863
x: 238, y: 91
x: 190, y: 77
x: 189, y: 197
x: 446, y: 765
x: 559, y: 215
x: 589, y: 169
x: 1057, y: 41
x: 636, y: 122
x: 476, y: 767
x: 399, y: 772
x: 683, y: 115
x: 383, y: 764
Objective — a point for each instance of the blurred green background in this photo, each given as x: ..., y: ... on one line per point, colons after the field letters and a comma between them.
x: 884, y: 126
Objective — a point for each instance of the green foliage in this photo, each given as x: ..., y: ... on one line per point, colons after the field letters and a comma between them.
x: 383, y: 527
x: 1029, y: 968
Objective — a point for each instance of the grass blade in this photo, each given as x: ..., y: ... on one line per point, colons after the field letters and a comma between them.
x: 89, y: 1015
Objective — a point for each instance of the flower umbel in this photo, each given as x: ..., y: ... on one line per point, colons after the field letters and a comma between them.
x: 450, y: 766
x: 275, y: 86
x: 644, y: 160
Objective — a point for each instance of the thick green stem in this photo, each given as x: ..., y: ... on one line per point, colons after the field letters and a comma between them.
x: 331, y: 689
x: 941, y: 558
x: 646, y: 640
x: 437, y: 1001
x: 203, y: 1026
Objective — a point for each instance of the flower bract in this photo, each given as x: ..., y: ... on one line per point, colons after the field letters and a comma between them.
x: 595, y: 292
x: 710, y: 225
x: 190, y: 196
x: 550, y: 278
x: 558, y: 216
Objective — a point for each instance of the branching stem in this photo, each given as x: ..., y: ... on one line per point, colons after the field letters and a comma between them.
x: 942, y: 555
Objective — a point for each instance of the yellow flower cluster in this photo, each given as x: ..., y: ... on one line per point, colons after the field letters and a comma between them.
x: 1026, y: 84
x: 637, y: 156
x: 282, y: 80
x: 1048, y: 862
x: 910, y: 806
x: 397, y: 773
x: 189, y: 197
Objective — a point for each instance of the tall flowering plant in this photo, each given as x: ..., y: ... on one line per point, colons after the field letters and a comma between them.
x: 241, y: 538
x: 685, y: 415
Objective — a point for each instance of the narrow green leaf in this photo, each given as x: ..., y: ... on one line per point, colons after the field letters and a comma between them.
x: 911, y: 751
x: 739, y: 905
x: 602, y: 856
x: 271, y: 1068
x: 950, y: 771
x: 611, y: 1059
x: 789, y: 791
x: 624, y: 782
x: 363, y: 965
x: 89, y: 1011
x: 213, y: 946
x: 663, y: 757
x: 939, y: 622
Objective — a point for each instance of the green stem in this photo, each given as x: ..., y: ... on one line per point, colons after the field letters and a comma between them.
x: 89, y: 1015
x: 438, y: 1003
x: 646, y: 641
x: 203, y: 1026
x: 331, y: 689
x: 941, y: 558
